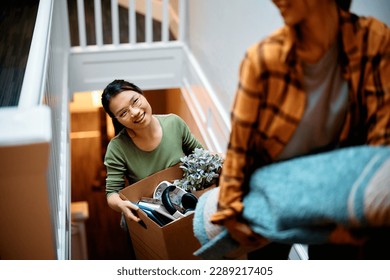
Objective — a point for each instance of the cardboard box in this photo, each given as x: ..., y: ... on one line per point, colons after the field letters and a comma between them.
x: 174, y: 241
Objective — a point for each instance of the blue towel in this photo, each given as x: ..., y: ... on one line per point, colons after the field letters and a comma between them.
x: 217, y: 244
x: 303, y: 200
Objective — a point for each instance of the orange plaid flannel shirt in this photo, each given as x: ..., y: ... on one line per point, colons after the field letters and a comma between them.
x: 270, y: 101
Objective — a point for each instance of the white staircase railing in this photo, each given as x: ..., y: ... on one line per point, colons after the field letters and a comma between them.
x: 169, y: 12
x: 150, y: 64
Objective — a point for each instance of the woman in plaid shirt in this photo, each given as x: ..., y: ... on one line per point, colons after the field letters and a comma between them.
x: 319, y: 83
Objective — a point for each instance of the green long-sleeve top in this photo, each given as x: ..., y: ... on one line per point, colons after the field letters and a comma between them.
x: 124, y: 159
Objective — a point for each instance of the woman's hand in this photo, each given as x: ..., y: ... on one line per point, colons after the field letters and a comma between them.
x: 123, y: 206
x: 128, y: 208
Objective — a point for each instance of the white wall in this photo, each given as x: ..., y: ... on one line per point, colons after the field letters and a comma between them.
x: 219, y: 33
x: 376, y: 8
x: 221, y: 30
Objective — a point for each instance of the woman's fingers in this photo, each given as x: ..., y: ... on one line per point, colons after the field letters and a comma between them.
x: 129, y: 210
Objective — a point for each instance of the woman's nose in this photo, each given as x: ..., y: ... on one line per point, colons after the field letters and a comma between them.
x: 134, y: 111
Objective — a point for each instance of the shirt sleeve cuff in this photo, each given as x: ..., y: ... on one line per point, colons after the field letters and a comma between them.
x: 232, y: 212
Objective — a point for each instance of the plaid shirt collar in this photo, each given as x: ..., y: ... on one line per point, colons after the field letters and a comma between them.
x: 350, y: 50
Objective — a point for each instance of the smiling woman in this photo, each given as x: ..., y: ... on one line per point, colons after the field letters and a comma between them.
x: 144, y: 144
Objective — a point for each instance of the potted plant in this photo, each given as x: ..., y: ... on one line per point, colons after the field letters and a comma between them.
x: 201, y: 170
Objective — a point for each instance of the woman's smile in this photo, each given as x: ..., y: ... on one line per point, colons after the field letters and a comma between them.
x: 140, y: 118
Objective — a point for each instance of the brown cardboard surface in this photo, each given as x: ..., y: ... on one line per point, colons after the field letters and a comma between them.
x: 25, y: 217
x: 174, y: 241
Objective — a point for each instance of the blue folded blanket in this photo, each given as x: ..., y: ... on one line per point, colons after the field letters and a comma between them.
x: 303, y: 200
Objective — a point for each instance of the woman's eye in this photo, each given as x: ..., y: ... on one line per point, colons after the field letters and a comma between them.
x: 123, y: 114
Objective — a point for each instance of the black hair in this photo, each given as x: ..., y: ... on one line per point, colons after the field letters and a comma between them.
x: 111, y: 90
x: 344, y: 4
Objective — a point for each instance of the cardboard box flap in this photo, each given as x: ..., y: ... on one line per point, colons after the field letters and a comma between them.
x: 145, y: 187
